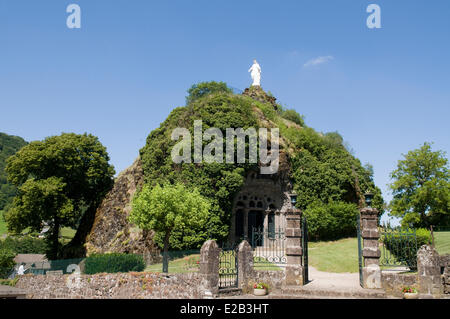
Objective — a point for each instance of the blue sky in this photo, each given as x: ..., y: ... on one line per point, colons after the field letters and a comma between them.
x: 118, y: 77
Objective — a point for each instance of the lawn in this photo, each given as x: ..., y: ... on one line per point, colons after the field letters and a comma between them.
x: 180, y: 265
x: 442, y: 242
x: 190, y: 264
x: 334, y: 256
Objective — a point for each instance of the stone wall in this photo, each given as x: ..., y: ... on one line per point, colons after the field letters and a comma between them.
x: 106, y: 286
x: 445, y: 271
x: 393, y: 282
x: 273, y: 278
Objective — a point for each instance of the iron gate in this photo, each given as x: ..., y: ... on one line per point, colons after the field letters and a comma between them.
x: 228, y: 267
x: 305, y: 250
x: 269, y: 247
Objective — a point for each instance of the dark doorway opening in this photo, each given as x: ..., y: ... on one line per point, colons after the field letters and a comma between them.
x: 255, y: 221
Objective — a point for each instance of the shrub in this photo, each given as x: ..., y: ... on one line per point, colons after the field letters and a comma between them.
x: 112, y: 263
x: 331, y: 221
x: 6, y: 262
x: 293, y: 116
x: 24, y: 245
x: 403, y: 245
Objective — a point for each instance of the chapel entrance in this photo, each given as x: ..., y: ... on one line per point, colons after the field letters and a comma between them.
x: 255, y: 223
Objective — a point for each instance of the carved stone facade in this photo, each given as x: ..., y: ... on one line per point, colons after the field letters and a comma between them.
x: 262, y: 203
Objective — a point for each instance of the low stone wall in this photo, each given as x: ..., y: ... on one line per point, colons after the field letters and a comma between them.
x: 106, y: 286
x: 272, y: 278
x: 393, y: 282
x: 445, y: 271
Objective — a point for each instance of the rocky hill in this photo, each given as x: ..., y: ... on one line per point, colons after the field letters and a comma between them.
x: 318, y: 166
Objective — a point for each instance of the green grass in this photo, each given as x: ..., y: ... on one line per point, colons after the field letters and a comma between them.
x: 334, y: 256
x: 442, y: 242
x: 179, y: 266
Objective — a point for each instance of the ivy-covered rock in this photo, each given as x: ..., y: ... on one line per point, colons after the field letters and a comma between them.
x: 323, y: 172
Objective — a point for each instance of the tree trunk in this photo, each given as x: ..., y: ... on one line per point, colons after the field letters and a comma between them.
x: 76, y: 249
x: 165, y: 253
x: 53, y: 241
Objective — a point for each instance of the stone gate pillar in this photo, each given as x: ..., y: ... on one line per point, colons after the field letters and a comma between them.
x: 429, y: 272
x: 371, y: 252
x: 294, y: 252
x: 209, y: 267
x: 245, y: 264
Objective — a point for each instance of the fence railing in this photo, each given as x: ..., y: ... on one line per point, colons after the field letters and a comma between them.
x: 398, y: 248
x: 269, y: 247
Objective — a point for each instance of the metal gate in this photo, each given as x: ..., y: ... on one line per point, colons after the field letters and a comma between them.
x: 228, y: 267
x: 360, y: 257
x: 305, y: 249
x: 269, y: 247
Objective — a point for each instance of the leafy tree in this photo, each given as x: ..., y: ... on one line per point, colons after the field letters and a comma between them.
x: 168, y: 209
x: 9, y: 145
x: 61, y: 181
x: 6, y: 262
x: 204, y: 88
x: 421, y: 188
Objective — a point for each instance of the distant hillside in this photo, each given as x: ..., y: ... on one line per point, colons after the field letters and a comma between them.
x: 9, y: 145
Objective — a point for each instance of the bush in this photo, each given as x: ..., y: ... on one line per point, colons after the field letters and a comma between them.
x: 331, y: 221
x: 403, y: 245
x: 24, y: 245
x: 6, y: 262
x: 112, y: 263
x: 293, y: 116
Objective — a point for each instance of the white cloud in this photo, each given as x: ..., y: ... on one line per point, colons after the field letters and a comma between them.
x: 318, y: 60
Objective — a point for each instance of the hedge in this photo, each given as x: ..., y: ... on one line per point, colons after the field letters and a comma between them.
x: 24, y: 245
x: 114, y: 262
x: 404, y: 246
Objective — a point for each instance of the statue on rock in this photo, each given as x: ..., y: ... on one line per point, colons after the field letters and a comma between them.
x: 255, y: 73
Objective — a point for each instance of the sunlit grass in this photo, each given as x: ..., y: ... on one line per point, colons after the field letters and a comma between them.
x: 442, y: 242
x: 334, y: 256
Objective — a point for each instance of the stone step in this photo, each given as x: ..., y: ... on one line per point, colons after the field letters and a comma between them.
x: 321, y: 293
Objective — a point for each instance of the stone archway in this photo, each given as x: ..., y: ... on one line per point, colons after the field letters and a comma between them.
x: 261, y: 203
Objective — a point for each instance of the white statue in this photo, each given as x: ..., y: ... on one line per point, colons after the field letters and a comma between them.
x: 255, y: 73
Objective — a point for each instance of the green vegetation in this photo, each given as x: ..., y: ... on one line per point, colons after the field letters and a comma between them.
x: 6, y: 262
x: 113, y: 263
x: 202, y: 89
x: 403, y: 246
x: 3, y: 226
x: 61, y: 180
x: 323, y: 171
x: 24, y: 245
x: 178, y: 265
x: 175, y: 213
x: 331, y: 221
x: 442, y: 242
x: 421, y: 189
x: 9, y: 145
x: 9, y: 282
x: 334, y: 256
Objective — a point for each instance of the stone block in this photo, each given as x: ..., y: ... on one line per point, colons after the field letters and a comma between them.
x: 369, y: 252
x: 294, y: 275
x: 372, y: 277
x: 294, y: 251
x: 293, y: 232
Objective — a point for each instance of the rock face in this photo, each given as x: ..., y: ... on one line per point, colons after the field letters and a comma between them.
x: 258, y: 94
x: 112, y: 232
